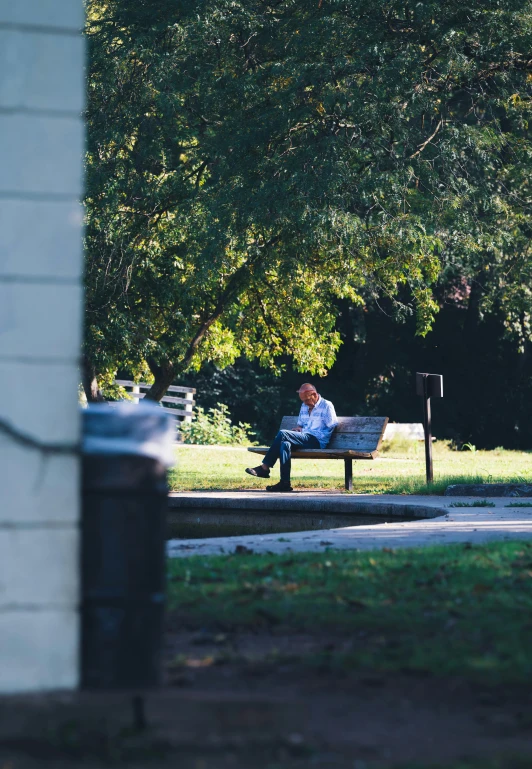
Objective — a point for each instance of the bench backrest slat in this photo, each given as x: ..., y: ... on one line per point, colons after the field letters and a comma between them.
x: 358, y: 433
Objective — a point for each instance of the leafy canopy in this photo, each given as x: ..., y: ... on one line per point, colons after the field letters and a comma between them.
x: 249, y: 161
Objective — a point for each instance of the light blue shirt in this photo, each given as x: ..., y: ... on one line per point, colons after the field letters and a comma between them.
x: 320, y: 423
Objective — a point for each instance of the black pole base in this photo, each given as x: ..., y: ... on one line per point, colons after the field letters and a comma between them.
x: 123, y: 571
x: 348, y: 463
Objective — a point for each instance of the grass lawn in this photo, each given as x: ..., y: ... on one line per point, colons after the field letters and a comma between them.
x: 399, y: 470
x: 442, y: 629
x: 444, y: 611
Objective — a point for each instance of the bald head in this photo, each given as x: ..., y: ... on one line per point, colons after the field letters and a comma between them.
x: 308, y: 394
x: 306, y: 387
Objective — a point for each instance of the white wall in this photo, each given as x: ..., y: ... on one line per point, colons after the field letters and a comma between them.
x: 41, y: 147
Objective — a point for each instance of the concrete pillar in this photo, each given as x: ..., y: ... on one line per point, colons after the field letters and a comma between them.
x: 41, y: 152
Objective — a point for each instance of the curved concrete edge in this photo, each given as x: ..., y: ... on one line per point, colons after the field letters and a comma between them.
x: 283, y: 503
x: 438, y: 522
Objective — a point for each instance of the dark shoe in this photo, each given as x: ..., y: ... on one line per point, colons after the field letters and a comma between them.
x: 258, y: 472
x: 281, y: 486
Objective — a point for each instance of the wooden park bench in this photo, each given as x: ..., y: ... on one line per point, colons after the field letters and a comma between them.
x: 353, y: 438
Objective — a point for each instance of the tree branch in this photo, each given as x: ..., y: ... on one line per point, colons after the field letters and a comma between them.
x: 431, y: 137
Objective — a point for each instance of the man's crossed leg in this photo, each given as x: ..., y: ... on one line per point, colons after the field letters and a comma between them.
x: 281, y: 449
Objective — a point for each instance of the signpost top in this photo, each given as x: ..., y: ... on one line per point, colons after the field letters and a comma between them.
x: 429, y: 385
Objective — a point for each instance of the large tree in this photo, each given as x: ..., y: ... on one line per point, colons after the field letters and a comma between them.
x: 251, y: 161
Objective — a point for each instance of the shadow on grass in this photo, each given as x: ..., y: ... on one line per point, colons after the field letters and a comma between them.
x: 455, y: 610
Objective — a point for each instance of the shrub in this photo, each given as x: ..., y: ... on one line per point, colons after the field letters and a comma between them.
x: 215, y: 427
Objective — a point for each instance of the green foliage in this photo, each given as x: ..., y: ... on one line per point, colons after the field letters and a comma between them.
x: 520, y: 504
x: 250, y: 163
x: 214, y: 427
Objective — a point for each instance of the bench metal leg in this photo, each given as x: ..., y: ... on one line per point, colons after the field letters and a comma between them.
x: 348, y: 474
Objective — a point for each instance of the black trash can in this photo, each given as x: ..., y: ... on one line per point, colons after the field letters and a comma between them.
x: 124, y: 507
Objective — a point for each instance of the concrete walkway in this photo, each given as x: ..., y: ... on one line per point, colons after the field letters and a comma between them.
x: 439, y: 522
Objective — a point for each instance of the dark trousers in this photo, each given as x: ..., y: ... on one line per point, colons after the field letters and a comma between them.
x: 281, y: 448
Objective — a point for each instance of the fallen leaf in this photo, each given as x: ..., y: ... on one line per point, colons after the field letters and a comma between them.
x: 204, y: 662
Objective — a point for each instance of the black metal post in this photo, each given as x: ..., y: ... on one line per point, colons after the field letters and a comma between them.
x: 123, y: 571
x: 427, y: 386
x: 428, y: 432
x: 348, y: 463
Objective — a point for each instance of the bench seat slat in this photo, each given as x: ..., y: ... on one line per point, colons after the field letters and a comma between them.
x: 323, y: 453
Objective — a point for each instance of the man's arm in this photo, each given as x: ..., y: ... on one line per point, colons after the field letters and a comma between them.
x: 299, y: 426
x: 331, y: 420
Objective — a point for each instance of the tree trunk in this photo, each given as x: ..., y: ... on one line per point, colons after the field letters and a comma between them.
x: 164, y: 375
x: 89, y: 381
x: 472, y: 317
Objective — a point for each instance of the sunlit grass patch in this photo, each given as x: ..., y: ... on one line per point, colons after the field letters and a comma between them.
x: 399, y: 470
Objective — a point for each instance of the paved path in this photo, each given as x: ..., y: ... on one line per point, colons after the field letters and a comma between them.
x: 446, y: 524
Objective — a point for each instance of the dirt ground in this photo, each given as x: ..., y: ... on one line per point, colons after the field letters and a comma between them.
x: 247, y: 701
x: 357, y: 720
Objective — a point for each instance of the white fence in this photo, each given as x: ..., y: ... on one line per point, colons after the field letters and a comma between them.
x: 411, y: 430
x: 182, y: 408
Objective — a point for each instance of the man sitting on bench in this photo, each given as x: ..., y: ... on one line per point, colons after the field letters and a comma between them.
x: 315, y: 425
